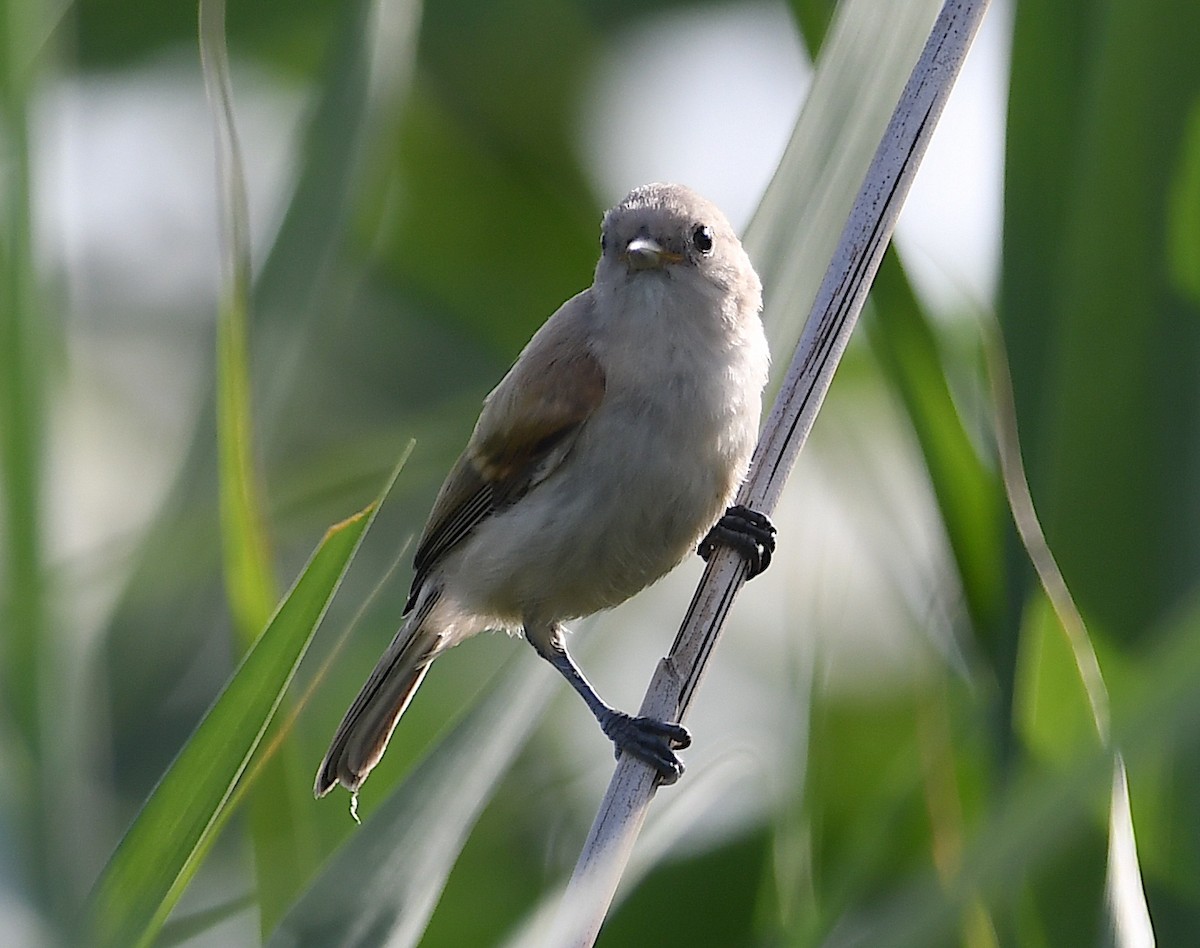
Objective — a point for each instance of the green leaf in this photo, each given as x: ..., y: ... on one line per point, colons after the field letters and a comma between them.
x: 249, y: 583
x: 1183, y: 213
x: 170, y: 836
x: 285, y: 847
x: 1051, y: 707
x: 22, y: 416
x: 28, y: 644
x: 968, y: 492
x: 1104, y: 349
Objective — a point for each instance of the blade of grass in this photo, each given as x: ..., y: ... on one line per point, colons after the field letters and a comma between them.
x: 22, y: 412
x: 249, y: 582
x: 171, y: 835
x: 285, y: 842
x: 1129, y: 915
x: 29, y: 669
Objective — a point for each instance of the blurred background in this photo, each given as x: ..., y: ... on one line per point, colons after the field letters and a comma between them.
x: 892, y: 745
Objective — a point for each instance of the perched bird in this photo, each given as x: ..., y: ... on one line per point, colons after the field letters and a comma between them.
x: 612, y: 446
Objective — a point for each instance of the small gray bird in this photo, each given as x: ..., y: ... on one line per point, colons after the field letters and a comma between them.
x: 612, y: 446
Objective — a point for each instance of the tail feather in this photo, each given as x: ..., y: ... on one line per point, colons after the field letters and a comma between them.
x: 363, y: 735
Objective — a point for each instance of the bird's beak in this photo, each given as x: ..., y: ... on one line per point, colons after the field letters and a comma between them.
x: 645, y: 253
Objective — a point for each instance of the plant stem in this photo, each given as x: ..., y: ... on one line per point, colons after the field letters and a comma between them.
x: 826, y: 334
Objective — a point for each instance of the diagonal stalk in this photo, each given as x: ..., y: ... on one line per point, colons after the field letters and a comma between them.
x: 826, y: 334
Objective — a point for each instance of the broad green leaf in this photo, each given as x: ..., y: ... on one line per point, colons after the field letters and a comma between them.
x: 1104, y: 347
x: 170, y: 836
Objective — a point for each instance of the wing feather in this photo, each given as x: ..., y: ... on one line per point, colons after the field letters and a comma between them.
x: 525, y: 431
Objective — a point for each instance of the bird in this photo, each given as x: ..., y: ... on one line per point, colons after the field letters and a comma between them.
x: 612, y: 448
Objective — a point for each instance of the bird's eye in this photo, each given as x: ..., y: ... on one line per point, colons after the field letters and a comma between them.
x: 702, y: 239
x: 603, y: 242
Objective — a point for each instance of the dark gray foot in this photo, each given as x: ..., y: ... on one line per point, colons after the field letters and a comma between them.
x: 651, y: 741
x: 750, y: 533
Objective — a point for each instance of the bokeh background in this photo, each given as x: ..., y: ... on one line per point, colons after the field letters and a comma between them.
x: 892, y: 746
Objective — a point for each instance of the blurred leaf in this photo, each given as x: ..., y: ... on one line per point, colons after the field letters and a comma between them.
x: 163, y: 848
x: 1037, y: 817
x: 1100, y: 339
x: 708, y: 898
x: 112, y: 34
x: 1052, y: 712
x: 180, y: 929
x: 1129, y: 918
x: 383, y: 884
x: 904, y: 342
x: 800, y: 218
x: 30, y: 665
x: 473, y: 233
x: 359, y: 99
x: 868, y: 819
x: 1183, y: 214
x: 1067, y: 910
x: 249, y: 583
x: 656, y: 861
x: 285, y: 846
x: 491, y: 222
x: 813, y: 18
x: 968, y: 491
x: 23, y: 350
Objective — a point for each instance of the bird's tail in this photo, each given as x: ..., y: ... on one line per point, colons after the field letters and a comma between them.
x: 363, y: 735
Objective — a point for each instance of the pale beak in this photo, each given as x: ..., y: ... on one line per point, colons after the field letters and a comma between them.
x: 645, y: 253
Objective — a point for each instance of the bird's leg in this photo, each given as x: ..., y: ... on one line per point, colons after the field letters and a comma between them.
x: 647, y: 739
x: 749, y: 532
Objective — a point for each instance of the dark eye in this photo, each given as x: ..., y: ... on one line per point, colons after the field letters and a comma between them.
x: 603, y: 242
x: 702, y: 239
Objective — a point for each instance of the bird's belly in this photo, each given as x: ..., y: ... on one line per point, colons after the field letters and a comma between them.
x: 620, y: 514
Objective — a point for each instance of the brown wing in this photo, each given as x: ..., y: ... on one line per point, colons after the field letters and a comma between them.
x: 526, y: 428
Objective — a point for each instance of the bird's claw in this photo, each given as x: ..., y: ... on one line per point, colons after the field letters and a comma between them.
x: 749, y: 532
x: 649, y: 740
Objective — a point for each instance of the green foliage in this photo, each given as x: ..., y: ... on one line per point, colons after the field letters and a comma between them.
x: 177, y: 825
x: 438, y: 210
